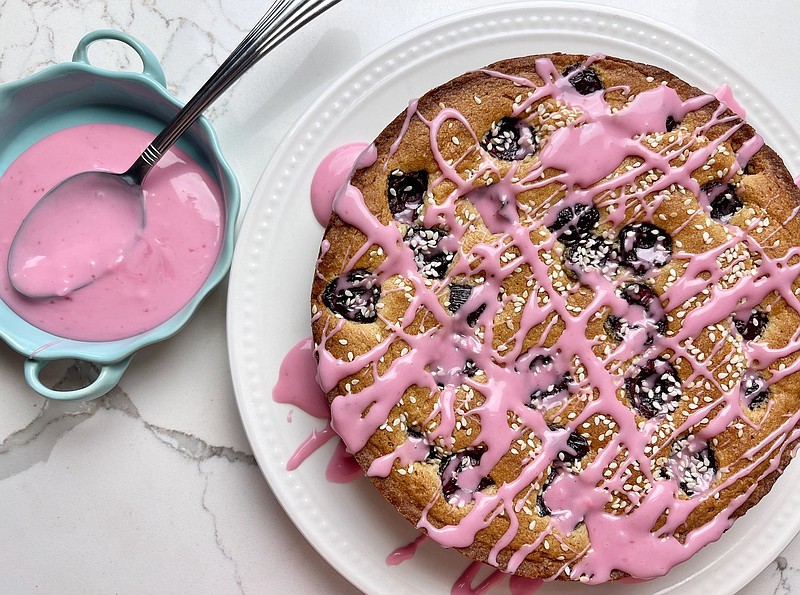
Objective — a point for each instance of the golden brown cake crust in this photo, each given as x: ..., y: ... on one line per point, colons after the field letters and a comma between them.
x: 687, y: 335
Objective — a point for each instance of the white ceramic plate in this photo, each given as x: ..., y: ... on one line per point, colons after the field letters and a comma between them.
x: 350, y: 524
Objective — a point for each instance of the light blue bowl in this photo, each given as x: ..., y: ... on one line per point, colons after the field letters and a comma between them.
x: 74, y: 93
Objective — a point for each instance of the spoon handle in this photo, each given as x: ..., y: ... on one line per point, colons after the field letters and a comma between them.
x: 282, y: 19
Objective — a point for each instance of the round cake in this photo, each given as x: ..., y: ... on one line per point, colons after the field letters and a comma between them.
x: 556, y: 316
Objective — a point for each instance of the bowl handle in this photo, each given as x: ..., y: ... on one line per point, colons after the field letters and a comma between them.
x: 108, y: 378
x: 150, y: 64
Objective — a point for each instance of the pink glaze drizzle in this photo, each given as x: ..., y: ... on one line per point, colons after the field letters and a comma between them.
x: 331, y: 174
x: 342, y: 468
x: 309, y: 446
x: 464, y: 583
x: 725, y: 95
x: 405, y: 552
x: 297, y: 383
x: 297, y: 386
x: 517, y: 585
x: 586, y: 150
x: 520, y: 585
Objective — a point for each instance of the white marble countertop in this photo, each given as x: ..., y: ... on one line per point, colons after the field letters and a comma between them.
x: 154, y: 488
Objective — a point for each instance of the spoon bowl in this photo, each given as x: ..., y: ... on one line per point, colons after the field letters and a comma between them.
x: 82, y: 229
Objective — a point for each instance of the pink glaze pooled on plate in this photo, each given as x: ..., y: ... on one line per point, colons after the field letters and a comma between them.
x: 330, y: 176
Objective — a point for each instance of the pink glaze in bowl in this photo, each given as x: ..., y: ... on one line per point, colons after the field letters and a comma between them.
x: 77, y: 93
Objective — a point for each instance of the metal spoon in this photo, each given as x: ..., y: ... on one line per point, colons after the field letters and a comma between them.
x: 38, y: 275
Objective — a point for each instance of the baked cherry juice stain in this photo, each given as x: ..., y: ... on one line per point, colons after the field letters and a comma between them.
x: 406, y: 552
x: 171, y: 259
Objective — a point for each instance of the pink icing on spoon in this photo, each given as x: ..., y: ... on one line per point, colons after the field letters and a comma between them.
x: 76, y: 236
x: 297, y: 386
x: 139, y: 286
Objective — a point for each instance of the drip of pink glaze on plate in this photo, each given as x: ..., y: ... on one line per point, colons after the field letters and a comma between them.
x: 405, y: 552
x: 297, y: 383
x: 343, y: 199
x: 520, y: 585
x: 342, y: 468
x: 333, y: 171
x: 725, y: 95
x: 309, y: 446
x: 517, y: 585
x: 298, y: 378
x: 464, y: 583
